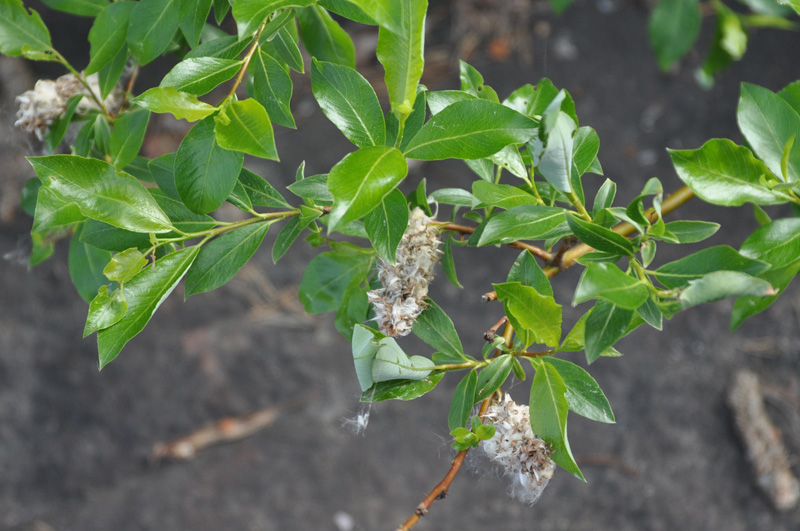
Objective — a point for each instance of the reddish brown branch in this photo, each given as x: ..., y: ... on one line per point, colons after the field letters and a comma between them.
x: 536, y: 251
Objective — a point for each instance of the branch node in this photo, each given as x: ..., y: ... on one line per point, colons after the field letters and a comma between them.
x: 421, y: 510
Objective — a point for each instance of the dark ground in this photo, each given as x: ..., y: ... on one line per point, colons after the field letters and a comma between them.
x: 74, y: 442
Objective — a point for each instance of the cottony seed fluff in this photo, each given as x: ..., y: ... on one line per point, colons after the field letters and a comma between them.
x: 524, y: 457
x: 38, y: 108
x: 404, y: 286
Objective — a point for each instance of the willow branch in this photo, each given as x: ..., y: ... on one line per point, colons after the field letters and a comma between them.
x: 536, y: 251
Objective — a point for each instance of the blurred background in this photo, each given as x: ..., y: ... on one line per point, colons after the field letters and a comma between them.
x: 77, y: 446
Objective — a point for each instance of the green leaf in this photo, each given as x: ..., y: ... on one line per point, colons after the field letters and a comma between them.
x: 536, y: 318
x: 692, y: 231
x: 249, y: 14
x: 555, y: 164
x: 182, y: 105
x: 454, y: 196
x: 721, y: 284
x: 101, y: 193
x: 470, y: 130
x: 448, y: 264
x: 349, y: 10
x: 349, y: 101
x: 151, y: 27
x: 59, y: 126
x: 493, y: 376
x: 127, y: 137
x: 292, y: 230
x: 353, y: 309
x: 312, y: 188
x: 261, y: 193
x: 284, y: 47
x: 502, y: 195
x: 229, y: 47
x: 606, y: 324
x: 86, y: 265
x: 104, y: 236
x: 718, y: 258
x: 200, y: 75
x: 329, y: 274
x: 29, y: 195
x: 472, y: 82
x: 527, y: 222
x: 108, y: 34
x: 324, y: 39
x: 205, y: 173
x: 386, y: 225
x: 163, y: 171
x: 110, y: 74
x: 435, y: 328
x: 401, y: 389
x: 21, y: 30
x: 391, y: 363
x: 220, y: 259
x: 583, y: 394
x: 585, y: 145
x: 725, y: 174
x: 361, y: 180
x: 245, y: 126
x: 463, y: 400
x: 768, y: 122
x: 674, y: 27
x: 528, y: 273
x: 193, y: 16
x: 791, y: 94
x: 53, y: 211
x: 272, y: 88
x: 440, y: 99
x: 401, y: 43
x: 607, y: 281
x: 125, y: 265
x: 182, y: 218
x: 105, y: 310
x: 548, y: 411
x: 144, y: 293
x: 599, y: 237
x: 81, y: 8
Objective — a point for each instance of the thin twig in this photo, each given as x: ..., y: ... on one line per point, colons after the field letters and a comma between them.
x: 490, y: 334
x: 536, y: 251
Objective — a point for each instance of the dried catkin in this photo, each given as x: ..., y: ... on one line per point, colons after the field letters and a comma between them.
x: 524, y: 457
x: 762, y: 440
x: 404, y: 286
x: 38, y: 108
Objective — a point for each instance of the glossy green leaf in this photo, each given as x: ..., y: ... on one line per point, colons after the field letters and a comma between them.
x: 329, y: 274
x: 353, y: 309
x: 386, y: 13
x: 440, y: 99
x: 725, y: 174
x: 722, y: 284
x: 527, y: 272
x: 401, y: 389
x: 312, y: 188
x: 605, y: 326
x: 124, y: 265
x: 361, y: 180
x: 21, y: 30
x: 791, y: 94
x: 144, y: 294
x: 585, y: 146
x: 462, y: 402
x: 454, y: 196
x: 182, y: 105
x: 105, y: 309
x: 386, y: 224
x: 527, y: 222
x: 535, y: 316
x: 151, y: 27
x: 272, y: 88
x: 249, y: 14
x: 290, y: 231
x: 435, y: 328
x: 470, y: 130
x: 260, y: 191
x: 285, y: 47
x: 391, y: 363
x: 691, y: 231
x: 220, y: 259
x: 324, y: 39
x: 127, y: 137
x: 349, y: 9
x: 448, y: 263
x: 413, y: 123
x: 59, y: 126
x: 240, y: 198
x: 674, y: 27
x: 163, y: 171
x: 768, y: 122
x: 401, y: 43
x: 101, y: 193
x: 607, y: 281
x: 502, y: 195
x: 182, y: 218
x: 86, y: 265
x: 245, y: 126
x: 583, y: 394
x: 229, y: 47
x: 349, y: 101
x: 599, y: 237
x: 205, y: 173
x: 696, y: 265
x: 111, y: 73
x: 492, y: 377
x: 472, y: 82
x: 81, y: 8
x: 548, y: 411
x: 200, y: 75
x: 110, y: 238
x: 193, y: 16
x: 556, y: 162
x: 108, y: 34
